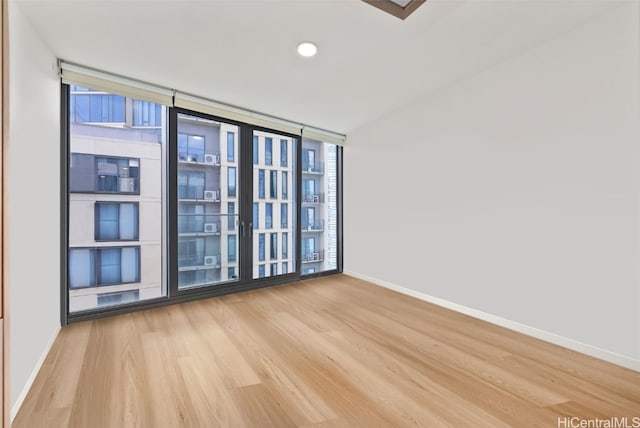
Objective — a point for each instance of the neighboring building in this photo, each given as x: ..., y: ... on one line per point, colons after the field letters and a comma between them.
x: 115, y: 199
x: 273, y: 207
x: 207, y: 202
x: 319, y: 206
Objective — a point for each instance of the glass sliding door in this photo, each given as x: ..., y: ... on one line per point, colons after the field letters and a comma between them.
x: 274, y: 222
x: 116, y: 158
x: 207, y: 202
x: 319, y: 207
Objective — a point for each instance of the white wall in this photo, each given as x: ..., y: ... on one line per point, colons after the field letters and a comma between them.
x: 515, y: 192
x: 34, y: 201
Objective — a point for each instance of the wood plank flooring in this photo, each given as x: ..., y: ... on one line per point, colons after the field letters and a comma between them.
x: 329, y: 352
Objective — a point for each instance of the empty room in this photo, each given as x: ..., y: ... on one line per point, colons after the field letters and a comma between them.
x: 320, y: 213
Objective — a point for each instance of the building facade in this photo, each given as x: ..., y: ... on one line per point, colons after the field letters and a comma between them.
x: 115, y: 199
x: 273, y: 208
x: 207, y: 202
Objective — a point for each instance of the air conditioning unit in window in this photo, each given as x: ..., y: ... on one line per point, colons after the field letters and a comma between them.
x: 212, y: 227
x: 126, y: 185
x: 211, y: 261
x: 211, y: 159
x: 211, y: 195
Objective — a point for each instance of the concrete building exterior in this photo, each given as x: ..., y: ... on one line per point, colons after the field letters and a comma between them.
x: 115, y: 200
x: 274, y: 194
x: 319, y: 206
x: 207, y: 202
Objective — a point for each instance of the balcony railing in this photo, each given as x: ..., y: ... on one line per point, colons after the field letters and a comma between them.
x: 206, y: 224
x: 199, y: 158
x: 191, y: 193
x: 198, y: 263
x: 312, y: 257
x: 312, y: 167
x: 313, y: 198
x: 316, y: 226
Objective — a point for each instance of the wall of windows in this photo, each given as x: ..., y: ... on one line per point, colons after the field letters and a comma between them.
x: 164, y: 203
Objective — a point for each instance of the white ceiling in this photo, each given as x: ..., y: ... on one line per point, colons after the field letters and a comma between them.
x: 243, y: 51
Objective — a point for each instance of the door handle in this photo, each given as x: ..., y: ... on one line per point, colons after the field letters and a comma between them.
x: 244, y: 227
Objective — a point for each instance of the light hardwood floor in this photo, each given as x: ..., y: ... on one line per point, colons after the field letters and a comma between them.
x: 330, y: 352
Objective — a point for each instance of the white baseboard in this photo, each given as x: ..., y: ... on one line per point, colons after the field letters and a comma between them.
x: 565, y: 342
x: 27, y: 386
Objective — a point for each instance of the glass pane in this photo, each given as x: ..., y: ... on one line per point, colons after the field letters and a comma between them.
x: 273, y: 220
x: 207, y: 202
x: 115, y: 220
x: 319, y: 206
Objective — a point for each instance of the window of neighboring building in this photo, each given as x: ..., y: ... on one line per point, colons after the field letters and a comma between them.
x: 308, y: 248
x: 231, y: 146
x: 284, y: 215
x: 274, y: 269
x: 285, y: 184
x: 191, y: 251
x: 274, y: 246
x: 261, y: 245
x: 261, y: 272
x: 283, y: 152
x: 89, y: 173
x: 231, y: 218
x: 285, y: 267
x: 261, y: 184
x: 309, y: 160
x: 191, y: 148
x: 118, y: 298
x: 232, y: 182
x: 90, y: 267
x: 255, y: 150
x: 268, y: 216
x: 116, y: 221
x: 285, y: 245
x: 231, y: 248
x: 191, y: 184
x: 191, y: 218
x: 87, y: 106
x: 273, y: 185
x: 146, y: 113
x: 268, y: 151
x: 256, y: 216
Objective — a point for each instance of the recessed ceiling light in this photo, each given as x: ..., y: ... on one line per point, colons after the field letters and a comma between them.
x: 307, y: 49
